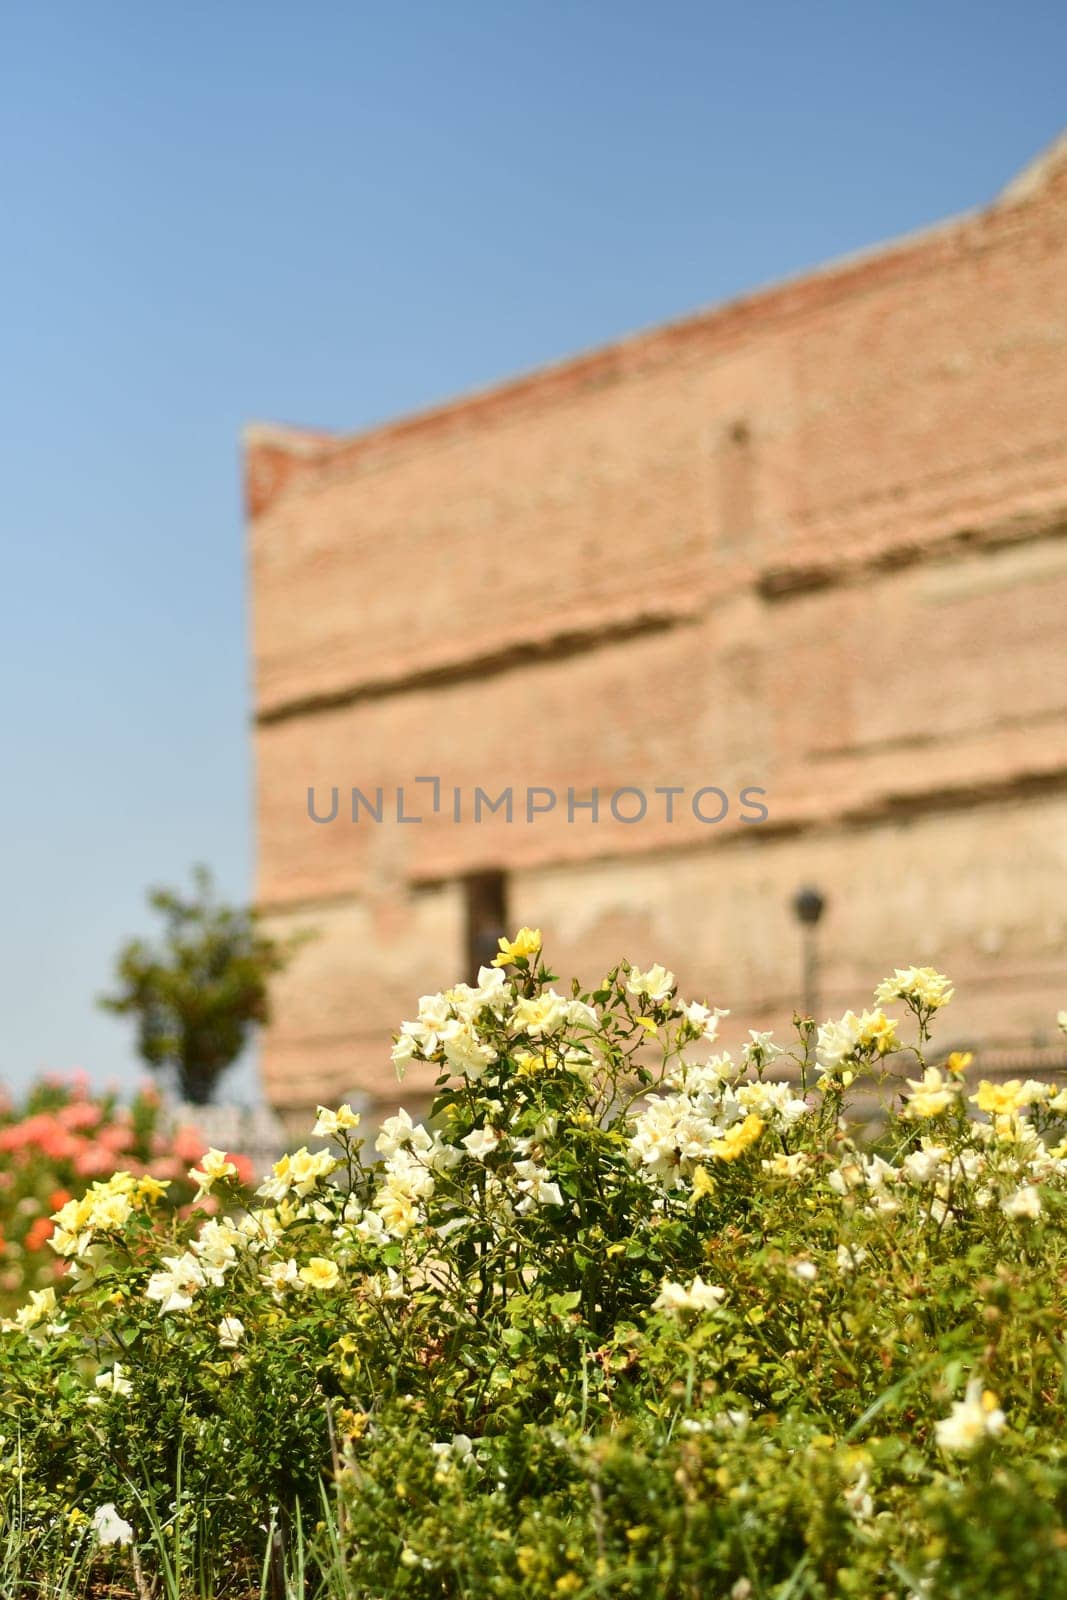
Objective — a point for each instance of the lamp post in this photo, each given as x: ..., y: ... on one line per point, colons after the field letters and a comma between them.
x: 808, y: 907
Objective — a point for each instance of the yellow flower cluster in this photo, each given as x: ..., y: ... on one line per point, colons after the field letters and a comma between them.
x: 1007, y: 1099
x: 921, y: 987
x: 297, y: 1174
x: 105, y: 1208
x: 334, y: 1124
x: 850, y: 1038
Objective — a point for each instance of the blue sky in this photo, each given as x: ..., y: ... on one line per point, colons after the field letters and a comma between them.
x: 329, y: 215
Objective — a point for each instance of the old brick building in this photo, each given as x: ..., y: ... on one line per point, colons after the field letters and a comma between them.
x: 814, y: 542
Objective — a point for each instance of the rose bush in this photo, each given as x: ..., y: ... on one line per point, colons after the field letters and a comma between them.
x: 56, y: 1140
x: 632, y: 1314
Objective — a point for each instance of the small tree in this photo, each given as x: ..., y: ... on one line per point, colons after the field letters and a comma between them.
x: 198, y: 994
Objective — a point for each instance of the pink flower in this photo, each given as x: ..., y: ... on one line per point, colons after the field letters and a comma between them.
x: 187, y: 1144
x: 43, y: 1134
x: 79, y: 1115
x: 94, y: 1161
x: 246, y: 1170
x: 114, y: 1138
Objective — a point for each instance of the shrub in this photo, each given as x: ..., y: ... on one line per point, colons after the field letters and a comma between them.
x: 632, y: 1315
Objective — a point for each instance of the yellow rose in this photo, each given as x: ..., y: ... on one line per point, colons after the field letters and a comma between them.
x: 878, y: 1032
x: 152, y: 1189
x: 999, y: 1099
x: 526, y: 943
x: 738, y: 1139
x: 320, y: 1273
x: 332, y: 1123
x: 41, y: 1304
x: 213, y: 1166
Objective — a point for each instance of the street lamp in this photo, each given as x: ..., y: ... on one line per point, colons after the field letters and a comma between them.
x: 808, y: 907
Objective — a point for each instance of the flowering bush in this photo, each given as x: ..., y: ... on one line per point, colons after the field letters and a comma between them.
x: 632, y: 1315
x: 57, y: 1141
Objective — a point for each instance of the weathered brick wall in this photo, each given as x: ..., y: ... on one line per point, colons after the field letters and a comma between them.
x: 815, y: 541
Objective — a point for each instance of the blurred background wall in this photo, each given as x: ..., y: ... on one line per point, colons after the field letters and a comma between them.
x: 813, y: 542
